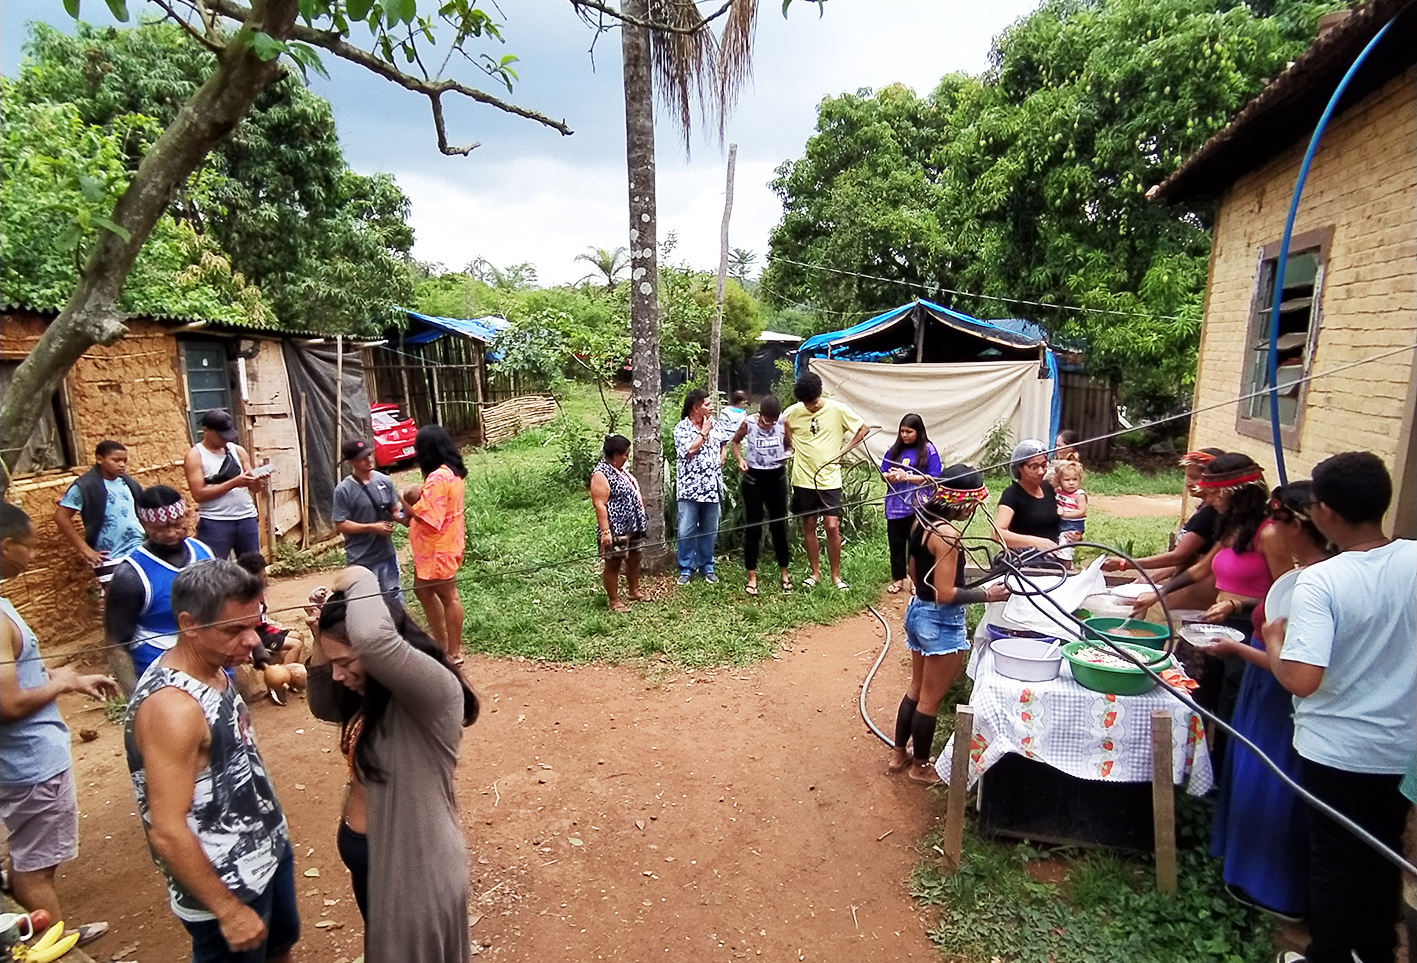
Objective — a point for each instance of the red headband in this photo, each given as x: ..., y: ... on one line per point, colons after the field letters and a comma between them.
x: 1246, y: 476
x: 1198, y: 458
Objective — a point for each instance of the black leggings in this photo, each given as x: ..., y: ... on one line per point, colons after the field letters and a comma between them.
x: 354, y: 853
x: 765, y: 488
x: 897, y: 534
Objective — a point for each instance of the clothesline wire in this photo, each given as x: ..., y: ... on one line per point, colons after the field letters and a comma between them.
x: 668, y: 540
x: 927, y: 289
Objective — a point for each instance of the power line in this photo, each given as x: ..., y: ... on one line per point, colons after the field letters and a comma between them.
x: 927, y: 289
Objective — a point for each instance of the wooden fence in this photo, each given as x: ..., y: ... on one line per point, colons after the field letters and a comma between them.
x: 1090, y: 409
x: 446, y: 381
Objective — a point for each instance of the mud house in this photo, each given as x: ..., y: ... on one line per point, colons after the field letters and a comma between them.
x: 149, y: 390
x: 1350, y: 289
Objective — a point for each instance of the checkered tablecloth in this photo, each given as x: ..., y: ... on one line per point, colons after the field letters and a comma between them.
x: 1083, y: 733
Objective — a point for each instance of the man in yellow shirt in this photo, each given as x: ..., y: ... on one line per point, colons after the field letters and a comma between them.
x: 818, y: 430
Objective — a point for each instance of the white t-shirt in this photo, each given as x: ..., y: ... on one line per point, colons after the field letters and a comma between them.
x: 1356, y: 615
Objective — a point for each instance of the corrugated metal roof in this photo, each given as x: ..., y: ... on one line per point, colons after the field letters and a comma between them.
x: 1289, y: 108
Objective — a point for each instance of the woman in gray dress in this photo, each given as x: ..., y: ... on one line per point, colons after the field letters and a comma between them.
x: 402, y: 707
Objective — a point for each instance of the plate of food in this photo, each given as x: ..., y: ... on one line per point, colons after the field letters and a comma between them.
x: 1204, y: 636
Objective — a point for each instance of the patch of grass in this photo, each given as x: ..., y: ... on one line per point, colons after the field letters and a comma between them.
x: 1105, y: 908
x: 1138, y: 537
x: 1123, y: 479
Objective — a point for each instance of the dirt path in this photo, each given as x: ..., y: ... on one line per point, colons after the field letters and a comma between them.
x: 727, y: 815
x: 1136, y: 506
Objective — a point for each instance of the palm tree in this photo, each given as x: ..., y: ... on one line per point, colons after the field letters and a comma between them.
x: 668, y: 48
x: 607, y: 262
x: 740, y: 262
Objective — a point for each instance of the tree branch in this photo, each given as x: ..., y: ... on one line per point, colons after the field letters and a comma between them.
x: 435, y: 100
x: 633, y: 21
x: 201, y: 38
x: 432, y: 89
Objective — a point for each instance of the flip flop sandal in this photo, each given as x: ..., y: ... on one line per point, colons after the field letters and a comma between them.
x: 751, y: 589
x: 90, y: 932
x: 893, y: 588
x: 787, y: 585
x: 809, y: 582
x: 841, y: 584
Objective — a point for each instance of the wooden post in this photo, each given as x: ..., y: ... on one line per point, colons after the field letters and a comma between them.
x: 959, y: 786
x: 1163, y: 801
x: 478, y: 356
x: 304, y: 479
x: 437, y: 397
x: 408, y: 411
x: 339, y: 401
x: 716, y: 332
x: 270, y: 515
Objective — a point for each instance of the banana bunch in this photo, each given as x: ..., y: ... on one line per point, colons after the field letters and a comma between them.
x: 49, y: 947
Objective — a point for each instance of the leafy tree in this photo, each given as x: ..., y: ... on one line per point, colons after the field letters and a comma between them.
x: 740, y: 264
x: 323, y: 243
x: 59, y: 178
x: 608, y: 263
x: 249, y: 43
x: 1028, y: 181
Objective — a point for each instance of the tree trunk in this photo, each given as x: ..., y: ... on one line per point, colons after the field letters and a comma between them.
x: 716, y: 335
x: 91, y: 315
x: 644, y: 279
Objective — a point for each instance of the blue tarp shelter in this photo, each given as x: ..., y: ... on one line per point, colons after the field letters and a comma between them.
x: 928, y: 333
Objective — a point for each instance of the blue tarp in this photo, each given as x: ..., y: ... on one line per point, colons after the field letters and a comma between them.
x: 423, y: 328
x: 1013, y: 333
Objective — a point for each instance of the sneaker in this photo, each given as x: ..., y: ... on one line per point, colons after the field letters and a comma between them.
x: 710, y: 578
x: 684, y: 577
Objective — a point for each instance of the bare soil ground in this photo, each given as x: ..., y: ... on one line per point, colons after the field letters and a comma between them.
x: 611, y: 813
x: 1136, y: 506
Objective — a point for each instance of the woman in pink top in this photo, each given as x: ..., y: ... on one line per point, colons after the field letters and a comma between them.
x: 436, y: 534
x: 1248, y: 555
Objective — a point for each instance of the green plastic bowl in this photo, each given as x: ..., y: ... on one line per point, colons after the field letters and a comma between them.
x: 1110, y: 680
x: 1155, y: 637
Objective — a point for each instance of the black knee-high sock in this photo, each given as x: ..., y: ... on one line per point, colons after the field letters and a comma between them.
x: 922, y: 730
x: 904, y: 719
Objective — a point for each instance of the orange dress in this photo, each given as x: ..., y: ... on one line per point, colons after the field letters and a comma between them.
x: 438, y: 530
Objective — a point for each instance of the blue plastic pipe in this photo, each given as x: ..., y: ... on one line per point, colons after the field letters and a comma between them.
x: 1272, y: 372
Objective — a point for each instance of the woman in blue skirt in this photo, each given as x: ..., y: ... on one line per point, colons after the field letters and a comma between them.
x: 1261, y: 827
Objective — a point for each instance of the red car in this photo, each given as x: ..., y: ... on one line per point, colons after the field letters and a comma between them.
x: 393, y: 435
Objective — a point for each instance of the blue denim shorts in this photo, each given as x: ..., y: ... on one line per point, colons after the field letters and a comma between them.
x: 275, y: 906
x: 932, y: 629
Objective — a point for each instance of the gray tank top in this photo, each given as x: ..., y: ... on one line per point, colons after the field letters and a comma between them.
x: 234, y: 812
x: 236, y: 503
x: 763, y: 448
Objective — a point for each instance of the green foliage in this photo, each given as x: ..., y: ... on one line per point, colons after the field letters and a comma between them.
x: 998, y: 443
x: 59, y: 178
x: 1029, y: 180
x: 1106, y: 908
x: 325, y: 245
x: 533, y: 348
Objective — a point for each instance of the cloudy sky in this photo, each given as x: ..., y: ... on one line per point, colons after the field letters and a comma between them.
x: 530, y: 194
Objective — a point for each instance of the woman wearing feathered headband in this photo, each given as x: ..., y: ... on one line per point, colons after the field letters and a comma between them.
x: 934, y: 621
x: 1246, y: 558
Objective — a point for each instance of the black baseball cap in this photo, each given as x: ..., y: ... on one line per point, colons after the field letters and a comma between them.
x: 354, y: 449
x: 219, y: 421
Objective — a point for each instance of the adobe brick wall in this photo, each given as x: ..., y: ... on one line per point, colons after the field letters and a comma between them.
x: 1363, y: 185
x: 132, y: 391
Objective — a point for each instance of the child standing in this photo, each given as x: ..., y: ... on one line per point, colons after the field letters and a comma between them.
x: 1072, y: 504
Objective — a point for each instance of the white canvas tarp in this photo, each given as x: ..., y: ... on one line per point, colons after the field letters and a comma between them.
x: 959, y: 402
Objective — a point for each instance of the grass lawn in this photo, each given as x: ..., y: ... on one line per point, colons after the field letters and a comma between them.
x: 530, y: 580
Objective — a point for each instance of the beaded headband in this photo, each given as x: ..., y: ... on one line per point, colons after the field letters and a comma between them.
x: 162, y: 515
x: 1197, y: 458
x: 1277, y: 506
x: 959, y: 496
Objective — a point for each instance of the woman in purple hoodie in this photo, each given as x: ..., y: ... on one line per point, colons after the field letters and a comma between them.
x: 910, y: 466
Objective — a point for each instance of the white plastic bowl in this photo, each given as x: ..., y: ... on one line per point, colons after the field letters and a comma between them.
x: 1026, y: 659
x: 1204, y: 636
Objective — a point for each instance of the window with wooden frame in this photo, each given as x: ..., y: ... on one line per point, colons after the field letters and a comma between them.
x: 1300, y: 312
x: 51, y: 445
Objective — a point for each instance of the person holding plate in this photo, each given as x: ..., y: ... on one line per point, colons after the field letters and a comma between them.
x: 1261, y: 828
